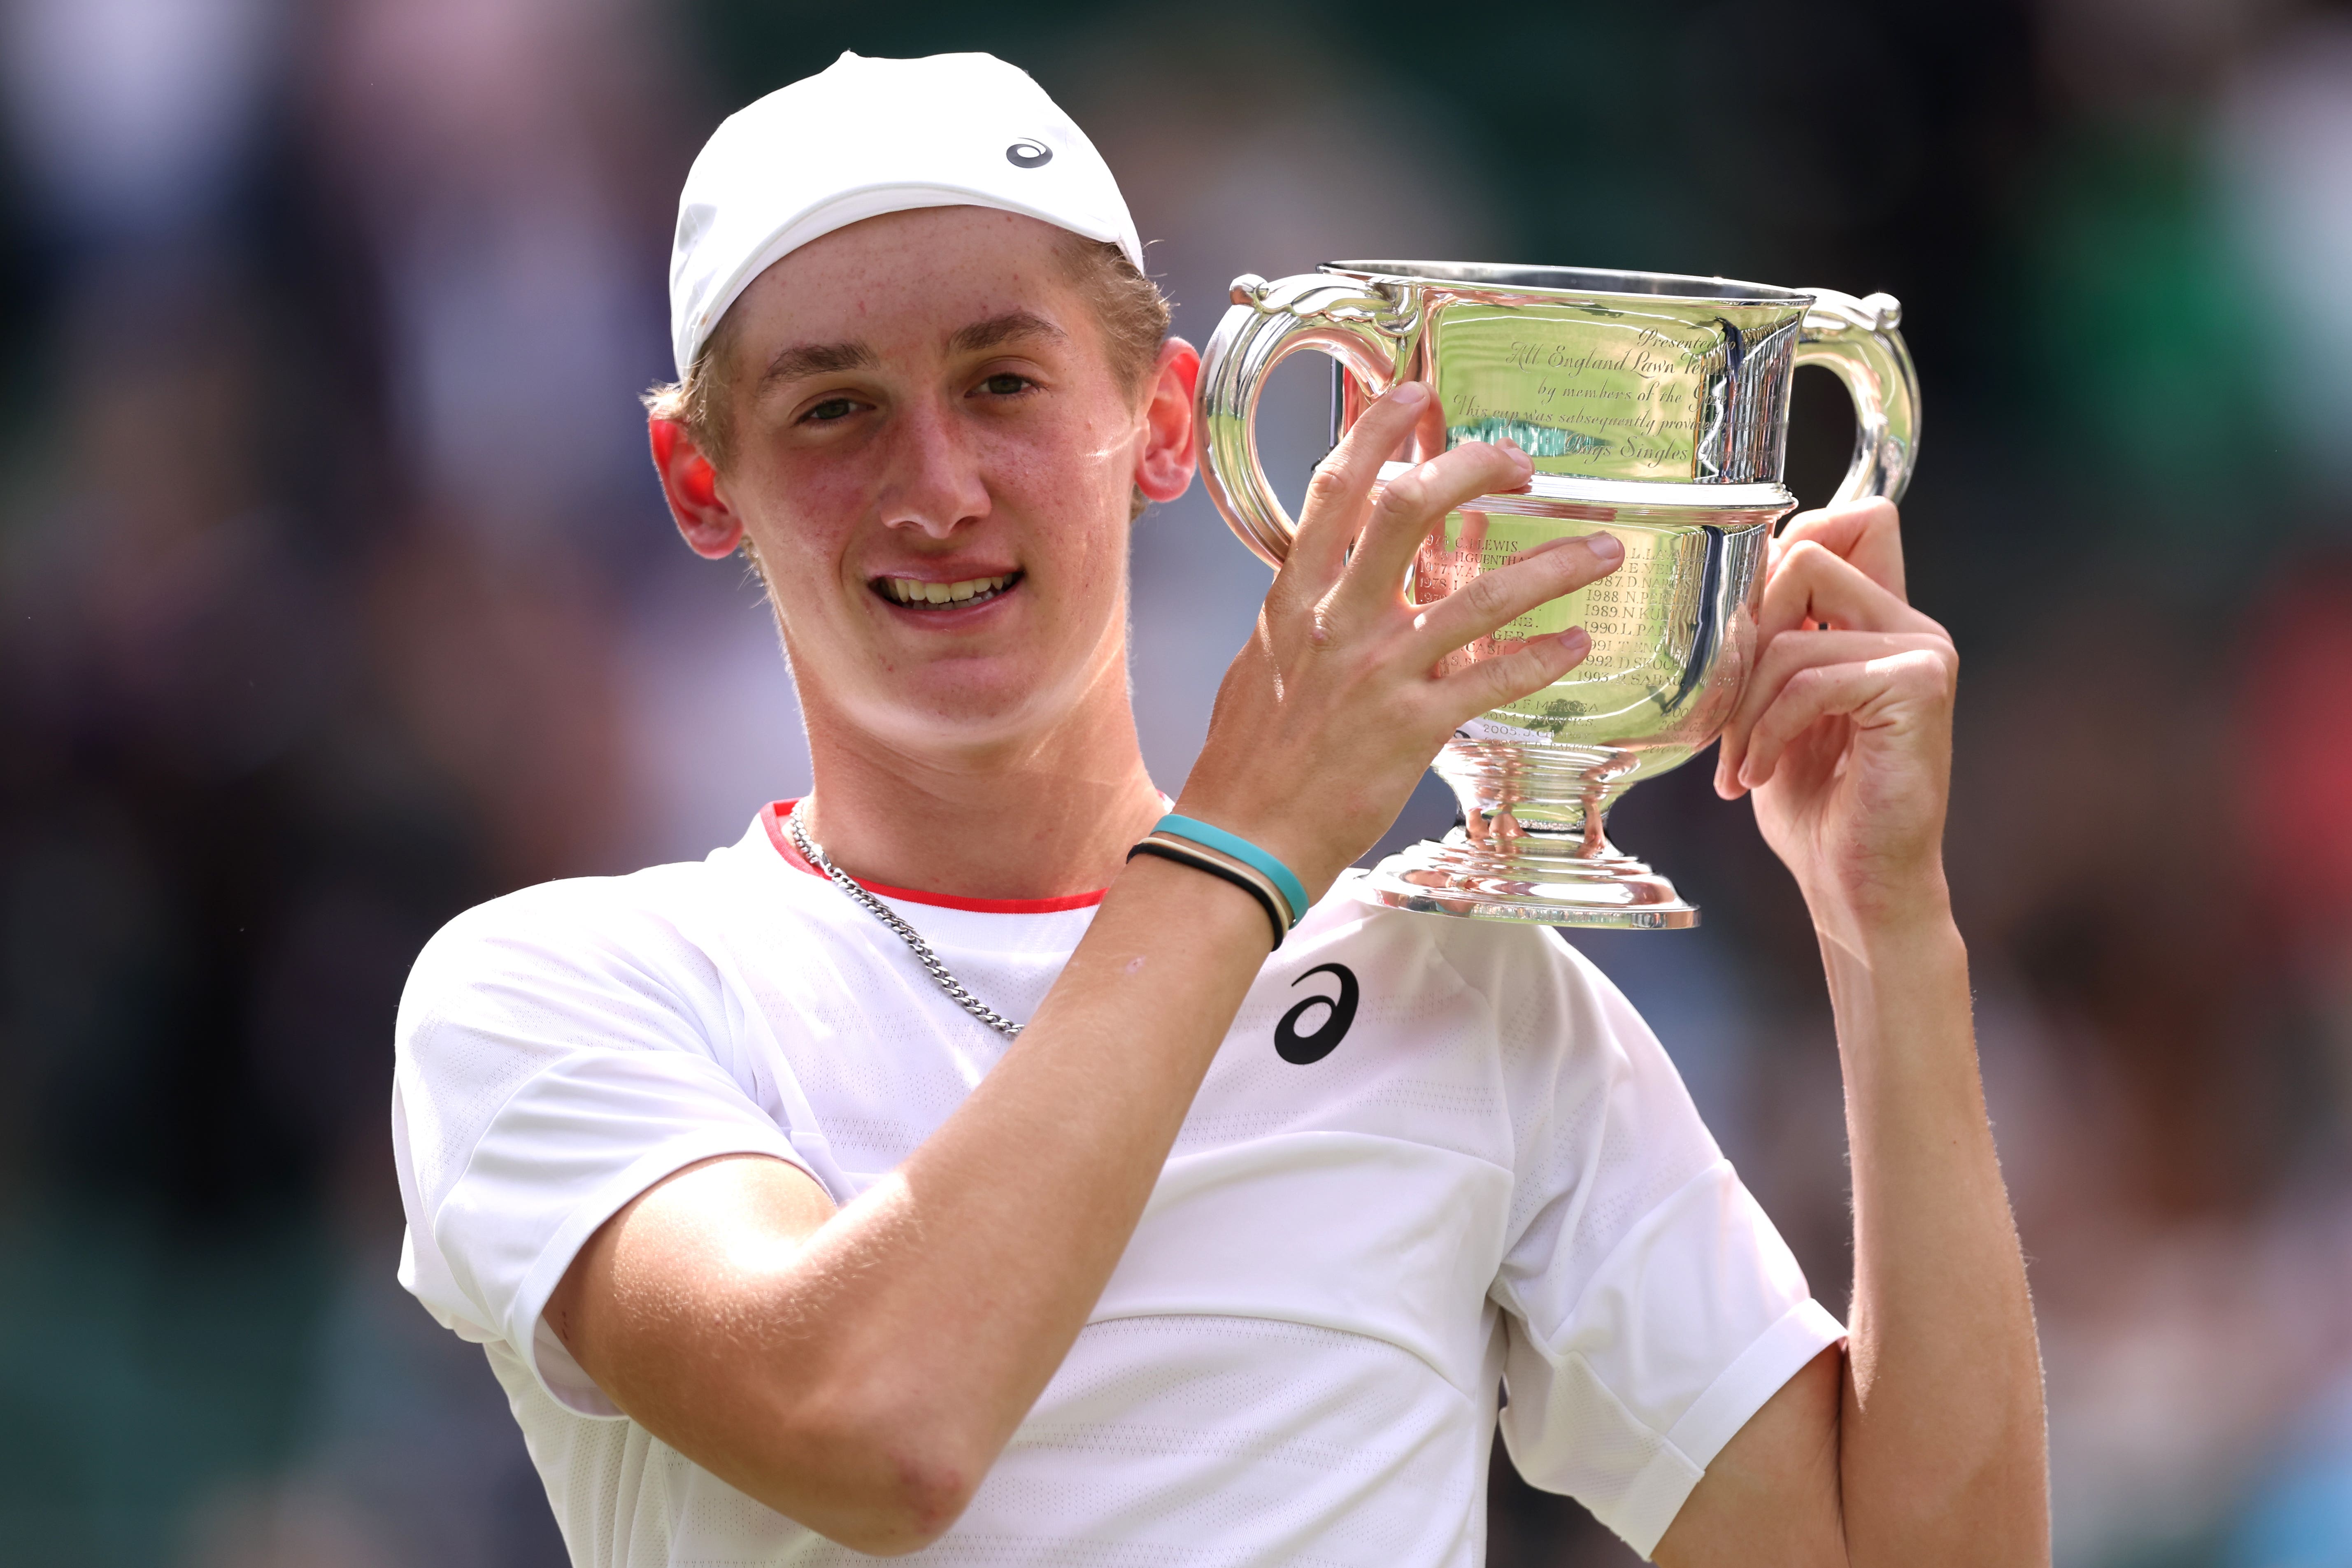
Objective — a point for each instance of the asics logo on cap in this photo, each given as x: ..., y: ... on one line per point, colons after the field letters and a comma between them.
x: 1028, y: 154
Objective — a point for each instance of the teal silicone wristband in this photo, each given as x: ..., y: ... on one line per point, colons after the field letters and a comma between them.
x: 1294, y: 891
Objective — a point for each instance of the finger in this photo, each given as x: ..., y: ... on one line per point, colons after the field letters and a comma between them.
x: 1511, y: 675
x: 1812, y: 583
x: 1782, y: 659
x: 1869, y: 534
x: 1874, y: 694
x: 1334, y: 511
x: 1417, y: 501
x: 1496, y: 598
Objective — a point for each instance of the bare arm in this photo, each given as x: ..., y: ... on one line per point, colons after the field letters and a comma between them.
x: 1923, y: 1444
x: 859, y: 1371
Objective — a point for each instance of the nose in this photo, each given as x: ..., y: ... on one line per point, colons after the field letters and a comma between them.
x: 932, y: 481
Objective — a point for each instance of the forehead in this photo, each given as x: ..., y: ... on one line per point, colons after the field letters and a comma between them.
x: 908, y: 278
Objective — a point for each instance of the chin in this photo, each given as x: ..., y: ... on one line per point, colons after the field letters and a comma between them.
x: 959, y: 714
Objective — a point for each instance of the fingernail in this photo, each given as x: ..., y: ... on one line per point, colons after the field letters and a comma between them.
x: 1605, y: 546
x: 1575, y: 637
x: 1411, y: 395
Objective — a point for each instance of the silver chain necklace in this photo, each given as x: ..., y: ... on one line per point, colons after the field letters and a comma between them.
x: 907, y: 933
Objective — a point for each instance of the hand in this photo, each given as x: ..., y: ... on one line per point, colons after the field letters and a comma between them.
x: 1845, y: 734
x: 1334, y: 710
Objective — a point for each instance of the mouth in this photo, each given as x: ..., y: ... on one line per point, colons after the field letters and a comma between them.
x: 914, y: 594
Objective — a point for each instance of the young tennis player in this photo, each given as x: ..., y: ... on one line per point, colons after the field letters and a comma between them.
x: 990, y: 1157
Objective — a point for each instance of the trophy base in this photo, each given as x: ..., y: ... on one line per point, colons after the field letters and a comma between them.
x: 1566, y: 881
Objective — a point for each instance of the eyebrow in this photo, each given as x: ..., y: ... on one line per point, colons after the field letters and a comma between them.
x: 819, y: 359
x: 831, y: 359
x: 998, y: 331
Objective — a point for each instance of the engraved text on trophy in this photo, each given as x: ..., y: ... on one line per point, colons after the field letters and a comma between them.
x: 1599, y: 392
x: 1649, y: 622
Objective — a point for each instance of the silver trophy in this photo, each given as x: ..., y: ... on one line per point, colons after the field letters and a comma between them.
x: 1656, y: 406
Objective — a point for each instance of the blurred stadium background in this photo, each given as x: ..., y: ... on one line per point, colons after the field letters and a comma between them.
x: 336, y: 595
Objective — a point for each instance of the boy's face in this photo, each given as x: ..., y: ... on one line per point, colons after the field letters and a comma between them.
x: 934, y: 458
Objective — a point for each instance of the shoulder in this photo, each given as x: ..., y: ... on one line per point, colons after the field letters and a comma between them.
x: 578, y: 920
x: 560, y: 954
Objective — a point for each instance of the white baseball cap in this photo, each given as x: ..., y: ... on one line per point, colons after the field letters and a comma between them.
x: 865, y: 137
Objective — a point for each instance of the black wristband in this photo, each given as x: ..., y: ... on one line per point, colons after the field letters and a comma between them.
x: 1183, y: 854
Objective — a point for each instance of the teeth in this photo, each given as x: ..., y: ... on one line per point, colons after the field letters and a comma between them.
x: 908, y: 591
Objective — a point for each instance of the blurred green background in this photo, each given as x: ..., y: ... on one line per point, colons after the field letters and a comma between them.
x: 335, y: 597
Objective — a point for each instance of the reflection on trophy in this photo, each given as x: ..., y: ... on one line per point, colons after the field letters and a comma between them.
x: 1654, y: 407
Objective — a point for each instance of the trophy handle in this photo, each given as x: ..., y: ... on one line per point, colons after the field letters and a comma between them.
x: 1267, y: 325
x: 1856, y: 340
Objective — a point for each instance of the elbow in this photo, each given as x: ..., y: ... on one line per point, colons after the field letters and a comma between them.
x: 885, y: 1484
x: 914, y: 1503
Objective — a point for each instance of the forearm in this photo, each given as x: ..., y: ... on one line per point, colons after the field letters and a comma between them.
x: 978, y: 1259
x: 860, y: 1374
x: 1942, y: 1456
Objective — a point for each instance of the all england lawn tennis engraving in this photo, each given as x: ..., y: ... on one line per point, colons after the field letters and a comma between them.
x: 1582, y: 395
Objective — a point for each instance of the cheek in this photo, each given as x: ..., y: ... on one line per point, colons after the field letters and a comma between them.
x: 801, y: 513
x: 1095, y: 547
x: 802, y: 491
x: 1082, y: 480
x: 1087, y: 451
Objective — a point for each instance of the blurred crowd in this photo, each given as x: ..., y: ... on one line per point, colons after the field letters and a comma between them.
x: 336, y: 595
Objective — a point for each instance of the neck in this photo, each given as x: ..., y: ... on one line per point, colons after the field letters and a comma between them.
x: 1041, y: 816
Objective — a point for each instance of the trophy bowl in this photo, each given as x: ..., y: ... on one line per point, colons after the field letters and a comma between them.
x: 1653, y: 406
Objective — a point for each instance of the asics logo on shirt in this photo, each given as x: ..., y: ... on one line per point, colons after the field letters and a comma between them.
x: 1302, y: 1051
x: 1028, y: 154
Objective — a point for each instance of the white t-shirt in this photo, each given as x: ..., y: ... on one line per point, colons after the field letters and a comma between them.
x: 1468, y: 1164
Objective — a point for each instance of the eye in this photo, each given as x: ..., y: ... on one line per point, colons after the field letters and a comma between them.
x: 830, y: 409
x: 1006, y: 384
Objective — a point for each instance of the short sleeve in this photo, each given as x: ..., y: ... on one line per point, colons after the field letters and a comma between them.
x: 1651, y: 1307
x: 555, y: 1056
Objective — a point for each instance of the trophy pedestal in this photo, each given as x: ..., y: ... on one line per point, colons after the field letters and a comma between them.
x: 1541, y: 878
x: 1535, y: 844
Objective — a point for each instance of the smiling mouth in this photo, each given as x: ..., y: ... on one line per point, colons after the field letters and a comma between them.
x: 918, y: 595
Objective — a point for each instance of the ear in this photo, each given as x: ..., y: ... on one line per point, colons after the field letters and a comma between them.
x: 1163, y: 469
x: 690, y: 485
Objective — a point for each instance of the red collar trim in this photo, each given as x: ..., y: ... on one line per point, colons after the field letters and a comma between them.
x: 772, y: 817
